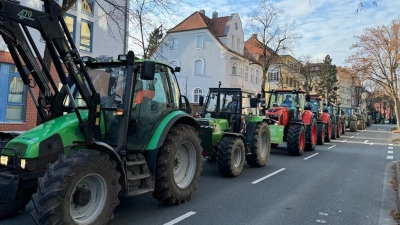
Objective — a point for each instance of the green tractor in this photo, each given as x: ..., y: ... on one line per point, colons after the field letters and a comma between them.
x: 112, y: 127
x: 361, y: 118
x: 232, y: 132
x: 350, y: 119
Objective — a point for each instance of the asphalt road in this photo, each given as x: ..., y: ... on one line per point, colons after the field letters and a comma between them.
x: 339, y: 183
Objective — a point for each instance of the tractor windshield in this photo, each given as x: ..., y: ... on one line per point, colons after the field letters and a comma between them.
x: 286, y: 99
x: 228, y: 102
x: 346, y: 111
x: 315, y: 105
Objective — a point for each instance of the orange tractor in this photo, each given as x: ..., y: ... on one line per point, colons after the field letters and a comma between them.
x: 288, y: 119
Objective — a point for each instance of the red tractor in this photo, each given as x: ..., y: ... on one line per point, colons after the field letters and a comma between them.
x: 285, y: 110
x: 324, y: 114
x: 314, y: 104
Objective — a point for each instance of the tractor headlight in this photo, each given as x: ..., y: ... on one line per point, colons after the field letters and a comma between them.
x: 23, y: 163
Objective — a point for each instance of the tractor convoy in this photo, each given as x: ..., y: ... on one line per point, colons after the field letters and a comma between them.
x: 121, y: 127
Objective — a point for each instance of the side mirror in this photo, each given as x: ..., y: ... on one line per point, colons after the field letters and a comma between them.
x: 253, y: 102
x: 201, y: 100
x: 308, y: 97
x: 148, y: 70
x: 177, y: 69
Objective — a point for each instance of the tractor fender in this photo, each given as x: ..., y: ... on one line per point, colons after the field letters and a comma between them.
x: 158, y: 137
x: 307, y: 117
x: 230, y: 134
x: 325, y: 117
x: 250, y: 129
x: 105, y: 148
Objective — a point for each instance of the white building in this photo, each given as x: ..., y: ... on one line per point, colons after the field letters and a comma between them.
x: 210, y: 50
x: 93, y: 35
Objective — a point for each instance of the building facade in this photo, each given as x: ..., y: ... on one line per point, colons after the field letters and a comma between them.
x: 93, y: 35
x: 209, y: 51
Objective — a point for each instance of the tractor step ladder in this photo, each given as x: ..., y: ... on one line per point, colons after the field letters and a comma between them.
x: 138, y: 175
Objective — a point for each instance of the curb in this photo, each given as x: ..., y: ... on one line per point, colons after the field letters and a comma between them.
x: 390, y: 197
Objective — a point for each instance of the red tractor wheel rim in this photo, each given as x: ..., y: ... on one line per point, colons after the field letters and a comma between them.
x: 323, y: 135
x: 314, y: 134
x: 301, y: 141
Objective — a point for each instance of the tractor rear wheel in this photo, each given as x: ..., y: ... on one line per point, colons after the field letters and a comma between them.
x: 320, y: 133
x: 328, y: 131
x: 353, y: 126
x: 343, y: 128
x: 296, y: 140
x: 79, y: 188
x: 334, y: 131
x: 178, y: 165
x: 311, y: 130
x: 261, y: 146
x: 231, y: 155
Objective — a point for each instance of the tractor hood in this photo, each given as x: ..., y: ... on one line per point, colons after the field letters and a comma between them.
x: 64, y: 128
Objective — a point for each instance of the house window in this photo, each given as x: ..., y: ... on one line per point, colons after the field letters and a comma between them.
x: 273, y: 76
x: 199, y: 41
x: 87, y: 6
x: 238, y: 44
x: 174, y: 43
x: 15, y: 99
x: 246, y: 73
x: 197, y: 92
x: 257, y: 77
x: 86, y: 36
x: 234, y: 72
x: 70, y: 22
x: 233, y: 41
x: 251, y: 74
x: 198, y: 67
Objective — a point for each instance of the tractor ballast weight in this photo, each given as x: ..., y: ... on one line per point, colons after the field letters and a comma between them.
x: 296, y: 126
x: 232, y: 132
x: 111, y: 127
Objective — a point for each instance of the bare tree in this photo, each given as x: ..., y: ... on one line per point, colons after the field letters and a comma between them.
x: 377, y: 58
x: 274, y: 36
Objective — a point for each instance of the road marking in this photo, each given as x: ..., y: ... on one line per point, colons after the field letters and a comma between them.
x: 371, y: 143
x: 357, y: 133
x: 351, y: 136
x: 269, y: 175
x: 344, y: 140
x: 332, y: 146
x: 366, y: 141
x: 391, y: 144
x: 390, y: 147
x: 179, y: 219
x: 389, y: 157
x: 311, y: 156
x: 390, y: 152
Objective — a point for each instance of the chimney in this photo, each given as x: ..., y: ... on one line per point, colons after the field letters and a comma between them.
x: 254, y: 36
x: 202, y: 11
x: 215, y: 14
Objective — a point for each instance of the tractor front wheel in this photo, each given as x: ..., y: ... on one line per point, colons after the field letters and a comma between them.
x: 328, y: 131
x: 353, y: 126
x: 231, y: 155
x: 334, y: 131
x: 311, y: 136
x: 296, y: 140
x: 178, y: 166
x: 320, y: 133
x: 343, y: 128
x: 261, y: 146
x: 79, y: 188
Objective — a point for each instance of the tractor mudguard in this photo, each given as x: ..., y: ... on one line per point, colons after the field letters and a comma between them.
x: 325, y: 117
x: 158, y: 137
x: 250, y: 129
x: 307, y: 117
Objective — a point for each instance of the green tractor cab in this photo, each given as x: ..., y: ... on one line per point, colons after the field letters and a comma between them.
x: 232, y: 132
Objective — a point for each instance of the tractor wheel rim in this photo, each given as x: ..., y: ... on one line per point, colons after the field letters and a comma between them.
x: 323, y: 135
x: 314, y: 134
x: 86, y: 208
x: 237, y: 157
x: 301, y: 141
x: 263, y: 144
x: 330, y: 130
x: 184, y: 164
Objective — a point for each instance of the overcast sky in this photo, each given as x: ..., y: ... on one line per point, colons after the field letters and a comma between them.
x: 326, y: 26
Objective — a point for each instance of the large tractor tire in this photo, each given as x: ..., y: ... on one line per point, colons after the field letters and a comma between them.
x: 343, y: 128
x: 334, y: 131
x: 231, y: 155
x: 261, y: 146
x: 339, y: 129
x: 369, y: 122
x: 178, y: 165
x: 328, y: 131
x: 353, y: 126
x: 79, y: 188
x: 320, y: 133
x: 311, y: 134
x: 360, y: 125
x: 11, y: 209
x: 296, y: 140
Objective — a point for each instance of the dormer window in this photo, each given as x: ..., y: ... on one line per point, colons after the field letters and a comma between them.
x: 236, y: 26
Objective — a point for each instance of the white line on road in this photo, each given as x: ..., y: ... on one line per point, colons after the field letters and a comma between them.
x: 357, y: 133
x: 344, y: 140
x: 390, y: 147
x: 179, y: 219
x: 366, y: 141
x: 371, y: 143
x: 391, y: 144
x: 390, y: 152
x: 269, y: 175
x: 389, y: 157
x: 351, y: 136
x: 311, y: 156
x: 332, y: 146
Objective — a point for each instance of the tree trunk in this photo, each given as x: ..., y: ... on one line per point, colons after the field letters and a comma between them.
x: 396, y: 110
